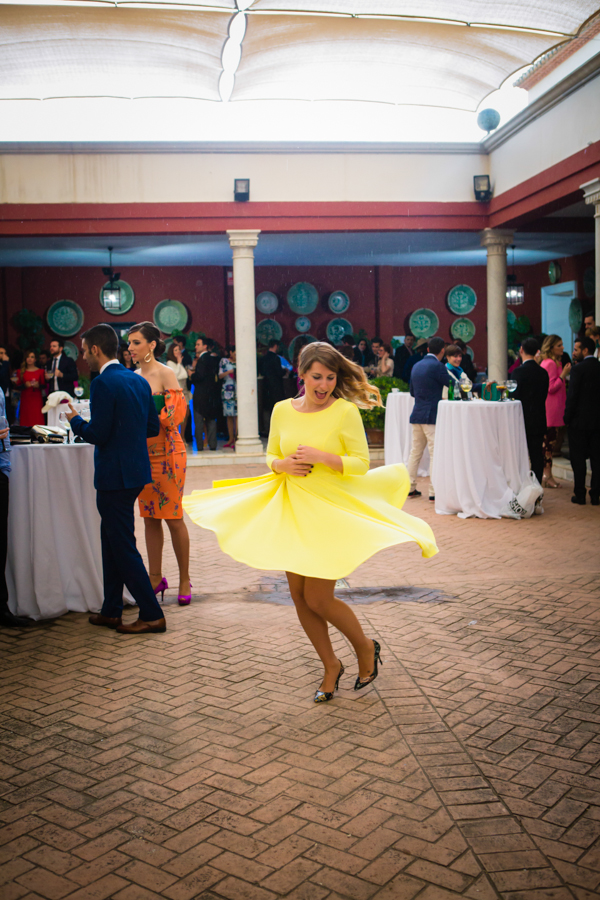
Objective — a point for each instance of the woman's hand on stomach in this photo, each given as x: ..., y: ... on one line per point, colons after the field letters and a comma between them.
x: 314, y: 456
x: 292, y: 465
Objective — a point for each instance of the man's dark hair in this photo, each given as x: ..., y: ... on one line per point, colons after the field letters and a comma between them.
x: 530, y: 346
x: 348, y: 339
x: 453, y: 350
x: 588, y: 343
x: 59, y: 341
x: 104, y: 337
x: 377, y: 340
x: 435, y: 345
x: 273, y: 343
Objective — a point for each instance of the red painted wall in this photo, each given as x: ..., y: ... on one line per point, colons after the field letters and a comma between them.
x: 380, y: 299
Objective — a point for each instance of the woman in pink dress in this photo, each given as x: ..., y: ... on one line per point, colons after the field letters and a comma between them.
x: 552, y: 351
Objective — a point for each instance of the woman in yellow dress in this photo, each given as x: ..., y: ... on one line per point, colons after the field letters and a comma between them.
x: 161, y: 500
x: 321, y: 512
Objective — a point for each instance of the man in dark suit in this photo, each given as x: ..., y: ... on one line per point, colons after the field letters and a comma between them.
x: 62, y: 373
x: 582, y: 416
x: 427, y: 382
x: 402, y: 355
x: 123, y: 417
x: 532, y: 390
x: 207, y: 393
x: 272, y: 372
x: 419, y: 353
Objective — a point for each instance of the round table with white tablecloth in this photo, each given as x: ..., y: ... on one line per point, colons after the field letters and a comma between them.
x: 480, y: 459
x: 398, y: 431
x: 54, y: 559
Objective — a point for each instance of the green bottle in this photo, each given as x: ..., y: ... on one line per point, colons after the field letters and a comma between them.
x: 451, y: 390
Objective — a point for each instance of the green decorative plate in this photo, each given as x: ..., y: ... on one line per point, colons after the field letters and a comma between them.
x: 65, y: 318
x: 462, y: 299
x: 424, y: 323
x: 303, y: 298
x: 127, y: 298
x: 268, y: 330
x: 589, y: 282
x: 309, y: 337
x: 511, y: 317
x: 302, y: 324
x: 575, y: 315
x: 463, y: 329
x: 338, y: 302
x: 267, y: 303
x: 170, y: 315
x: 554, y: 272
x: 71, y: 350
x: 337, y: 328
x: 523, y: 325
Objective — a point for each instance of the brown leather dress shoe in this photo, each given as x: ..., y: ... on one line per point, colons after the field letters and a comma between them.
x: 159, y: 626
x: 107, y: 621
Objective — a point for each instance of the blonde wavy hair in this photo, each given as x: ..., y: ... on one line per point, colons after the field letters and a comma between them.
x: 550, y: 342
x: 351, y: 383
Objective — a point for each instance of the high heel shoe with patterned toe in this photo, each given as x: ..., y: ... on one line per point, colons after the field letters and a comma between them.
x: 161, y: 587
x: 185, y: 599
x: 363, y: 682
x: 325, y: 696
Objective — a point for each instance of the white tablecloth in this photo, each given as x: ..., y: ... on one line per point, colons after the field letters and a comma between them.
x: 54, y: 556
x: 480, y: 457
x: 54, y: 413
x: 398, y: 432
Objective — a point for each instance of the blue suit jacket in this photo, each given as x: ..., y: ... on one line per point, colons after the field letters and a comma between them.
x: 427, y: 381
x: 123, y: 417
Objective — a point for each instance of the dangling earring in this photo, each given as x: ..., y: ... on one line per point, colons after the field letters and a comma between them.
x: 148, y: 357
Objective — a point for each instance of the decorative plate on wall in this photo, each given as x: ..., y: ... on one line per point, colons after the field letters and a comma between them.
x: 170, y: 315
x: 554, y: 272
x: 303, y: 298
x: 267, y: 303
x: 127, y: 298
x: 268, y: 330
x: 337, y: 328
x: 424, y: 323
x: 462, y: 299
x: 463, y: 329
x: 575, y: 315
x: 309, y: 337
x: 71, y: 350
x: 65, y: 318
x: 302, y: 324
x: 511, y: 318
x: 338, y: 302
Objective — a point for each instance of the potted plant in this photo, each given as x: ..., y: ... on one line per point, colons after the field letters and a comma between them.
x: 374, y: 419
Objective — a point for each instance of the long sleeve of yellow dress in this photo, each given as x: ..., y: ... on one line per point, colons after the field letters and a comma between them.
x: 324, y: 524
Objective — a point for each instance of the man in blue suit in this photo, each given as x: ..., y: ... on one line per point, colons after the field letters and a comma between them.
x: 427, y: 382
x: 123, y: 417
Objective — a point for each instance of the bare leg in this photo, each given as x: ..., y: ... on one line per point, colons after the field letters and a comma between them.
x: 318, y: 593
x: 181, y: 545
x: 231, y: 428
x: 316, y: 629
x: 234, y: 426
x: 154, y: 546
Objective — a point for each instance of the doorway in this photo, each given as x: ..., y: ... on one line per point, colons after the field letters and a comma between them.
x: 556, y: 299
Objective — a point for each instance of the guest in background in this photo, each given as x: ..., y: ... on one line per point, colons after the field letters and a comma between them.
x: 62, y: 374
x: 582, y: 416
x: 43, y: 361
x: 454, y: 359
x: 552, y: 352
x: 428, y: 379
x: 207, y: 393
x: 532, y: 390
x: 594, y: 333
x: 362, y: 354
x: 30, y: 379
x: 175, y: 362
x: 467, y: 364
x: 125, y: 357
x: 228, y: 393
x: 7, y: 619
x: 420, y: 349
x: 589, y: 321
x: 272, y: 371
x: 123, y: 417
x: 402, y: 355
x: 385, y: 364
x: 161, y: 500
x: 5, y: 375
x: 371, y: 367
x: 186, y: 356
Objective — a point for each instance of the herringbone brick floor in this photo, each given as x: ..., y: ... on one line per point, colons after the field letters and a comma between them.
x: 195, y: 765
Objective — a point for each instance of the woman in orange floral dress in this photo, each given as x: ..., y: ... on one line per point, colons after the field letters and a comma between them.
x: 162, y: 499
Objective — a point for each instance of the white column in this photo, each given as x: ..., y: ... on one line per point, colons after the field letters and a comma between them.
x: 591, y: 194
x: 496, y: 241
x: 243, y: 244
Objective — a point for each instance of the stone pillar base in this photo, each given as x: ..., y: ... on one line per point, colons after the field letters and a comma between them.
x: 250, y: 446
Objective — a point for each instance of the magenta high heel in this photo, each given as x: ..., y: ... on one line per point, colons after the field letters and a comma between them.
x: 161, y: 587
x: 185, y: 599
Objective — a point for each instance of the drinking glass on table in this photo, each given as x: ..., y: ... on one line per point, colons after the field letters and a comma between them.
x: 3, y: 427
x: 465, y: 385
x: 62, y: 418
x: 78, y: 392
x: 502, y: 389
x: 511, y: 387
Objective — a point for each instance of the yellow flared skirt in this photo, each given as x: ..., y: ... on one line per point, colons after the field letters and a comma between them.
x: 320, y: 526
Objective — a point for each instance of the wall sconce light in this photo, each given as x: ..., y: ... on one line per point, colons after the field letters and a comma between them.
x: 515, y: 293
x: 241, y: 189
x: 481, y: 186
